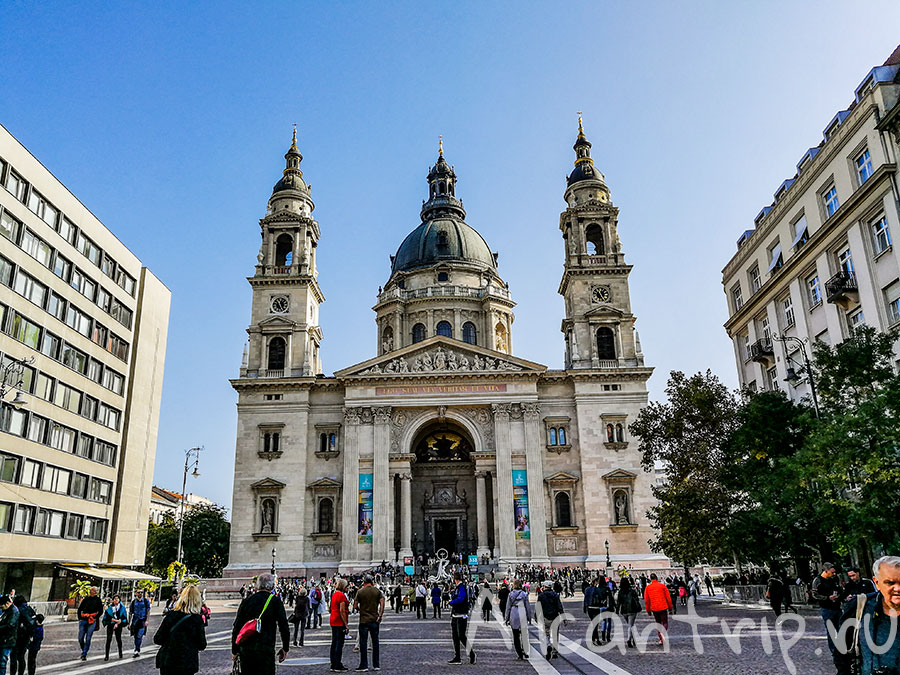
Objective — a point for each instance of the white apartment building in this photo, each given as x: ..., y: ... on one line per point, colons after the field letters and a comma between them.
x: 165, y: 502
x: 821, y: 260
x: 90, y: 321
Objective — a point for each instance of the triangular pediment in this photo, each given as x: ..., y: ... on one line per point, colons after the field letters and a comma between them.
x: 561, y: 477
x: 325, y: 483
x: 619, y: 475
x: 276, y: 322
x: 605, y: 310
x: 267, y: 484
x: 441, y: 355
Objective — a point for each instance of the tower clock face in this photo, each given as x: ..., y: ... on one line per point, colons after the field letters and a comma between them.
x: 280, y: 305
x: 600, y: 294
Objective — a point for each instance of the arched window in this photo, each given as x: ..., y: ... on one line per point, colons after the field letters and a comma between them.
x: 610, y: 437
x: 620, y: 434
x: 563, y: 509
x: 593, y: 236
x: 284, y: 250
x: 470, y: 333
x: 562, y: 436
x: 418, y: 332
x: 276, y: 353
x: 606, y: 344
x: 444, y: 328
x: 323, y: 441
x: 326, y: 515
x: 552, y: 436
x: 332, y: 441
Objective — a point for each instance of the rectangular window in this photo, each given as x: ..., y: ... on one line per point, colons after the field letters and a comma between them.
x: 108, y: 266
x: 66, y: 229
x: 121, y: 313
x: 67, y: 397
x: 9, y: 468
x: 79, y: 486
x: 25, y: 331
x: 772, y: 378
x: 113, y: 381
x: 30, y: 288
x: 101, y: 490
x: 31, y: 474
x: 745, y: 339
x: 117, y: 347
x: 88, y: 248
x: 863, y: 167
x: 855, y: 320
x: 801, y: 233
x: 62, y: 267
x: 94, y: 529
x: 37, y: 248
x: 830, y: 199
x: 10, y: 227
x: 50, y: 346
x: 95, y: 371
x: 76, y: 279
x: 766, y: 329
x: 125, y: 280
x: 74, y: 358
x: 881, y: 235
x: 736, y: 297
x: 787, y: 307
x: 74, y: 526
x: 103, y: 299
x: 78, y: 320
x: 104, y: 452
x: 24, y: 519
x: 56, y: 480
x: 6, y: 271
x: 62, y: 438
x: 56, y: 306
x: 892, y: 300
x: 845, y: 260
x: 50, y: 523
x: 85, y: 447
x: 99, y: 335
x: 89, y: 288
x: 89, y: 407
x: 43, y: 387
x: 815, y: 291
x: 16, y: 185
x: 108, y: 416
x: 755, y: 280
x: 42, y: 208
x: 37, y: 429
x: 6, y: 511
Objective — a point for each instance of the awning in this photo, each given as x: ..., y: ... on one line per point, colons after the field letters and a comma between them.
x: 120, y: 573
x: 776, y: 258
x: 800, y: 229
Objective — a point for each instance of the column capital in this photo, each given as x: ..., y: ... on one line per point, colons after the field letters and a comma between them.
x: 405, y: 476
x: 532, y: 411
x: 352, y: 415
x: 481, y: 474
x: 501, y: 411
x: 382, y: 414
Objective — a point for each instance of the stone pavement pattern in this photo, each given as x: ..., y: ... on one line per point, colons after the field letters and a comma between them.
x: 416, y: 646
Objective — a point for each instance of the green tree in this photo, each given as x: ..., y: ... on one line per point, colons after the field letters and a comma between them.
x: 690, y: 435
x: 205, y: 542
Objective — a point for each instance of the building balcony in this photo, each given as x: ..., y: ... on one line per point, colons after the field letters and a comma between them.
x: 842, y: 288
x: 762, y: 351
x: 444, y: 291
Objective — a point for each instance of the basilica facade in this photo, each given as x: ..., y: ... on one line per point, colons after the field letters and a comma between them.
x: 444, y: 439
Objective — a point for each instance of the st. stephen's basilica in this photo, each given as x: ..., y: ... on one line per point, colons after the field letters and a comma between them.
x: 444, y: 439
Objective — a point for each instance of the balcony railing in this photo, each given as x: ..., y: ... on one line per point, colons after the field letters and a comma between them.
x: 273, y: 372
x: 842, y: 286
x: 762, y: 350
x: 444, y: 292
x: 607, y: 363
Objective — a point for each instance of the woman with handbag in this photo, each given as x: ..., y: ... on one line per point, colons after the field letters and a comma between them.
x: 181, y: 636
x: 298, y: 618
x: 628, y: 606
x: 114, y: 618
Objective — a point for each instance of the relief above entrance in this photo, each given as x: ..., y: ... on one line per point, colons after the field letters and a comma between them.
x: 442, y: 360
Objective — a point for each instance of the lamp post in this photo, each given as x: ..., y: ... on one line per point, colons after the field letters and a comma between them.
x: 191, y: 456
x: 273, y: 561
x: 12, y: 379
x: 608, y: 561
x: 791, y: 375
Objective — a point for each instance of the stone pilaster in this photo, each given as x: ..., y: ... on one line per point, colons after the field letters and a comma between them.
x: 351, y: 489
x: 481, y: 506
x: 405, y: 514
x: 381, y: 484
x: 534, y: 465
x: 505, y: 510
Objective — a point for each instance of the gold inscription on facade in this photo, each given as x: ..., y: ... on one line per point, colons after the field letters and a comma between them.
x: 441, y: 389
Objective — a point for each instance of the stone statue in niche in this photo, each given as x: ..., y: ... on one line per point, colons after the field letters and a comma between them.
x: 268, y: 517
x: 621, y: 505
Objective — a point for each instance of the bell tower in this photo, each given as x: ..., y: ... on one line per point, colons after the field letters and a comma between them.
x: 284, y: 324
x: 598, y: 324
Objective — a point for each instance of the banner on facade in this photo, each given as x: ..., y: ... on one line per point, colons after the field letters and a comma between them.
x: 520, y: 504
x: 365, y: 508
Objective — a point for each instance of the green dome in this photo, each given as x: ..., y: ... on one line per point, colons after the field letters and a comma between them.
x: 442, y: 240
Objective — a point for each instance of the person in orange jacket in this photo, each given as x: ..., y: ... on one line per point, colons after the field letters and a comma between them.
x: 658, y: 603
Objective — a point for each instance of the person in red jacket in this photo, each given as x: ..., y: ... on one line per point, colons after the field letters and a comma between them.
x: 658, y: 603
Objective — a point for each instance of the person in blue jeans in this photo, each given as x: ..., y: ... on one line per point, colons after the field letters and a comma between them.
x: 140, y: 613
x: 89, y: 613
x: 369, y: 603
x: 36, y: 642
x: 9, y: 628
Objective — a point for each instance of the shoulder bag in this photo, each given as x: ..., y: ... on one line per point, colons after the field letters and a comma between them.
x: 163, y: 652
x: 254, y: 626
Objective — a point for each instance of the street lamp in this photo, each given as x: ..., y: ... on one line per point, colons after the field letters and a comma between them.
x: 273, y: 561
x: 608, y: 562
x: 12, y: 379
x: 791, y: 375
x: 191, y: 455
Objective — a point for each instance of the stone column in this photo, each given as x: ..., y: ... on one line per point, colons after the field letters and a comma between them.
x: 535, y: 467
x: 405, y: 514
x: 505, y: 512
x: 351, y: 489
x: 381, y: 484
x: 481, y: 506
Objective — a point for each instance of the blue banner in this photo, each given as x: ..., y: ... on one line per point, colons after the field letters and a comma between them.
x: 520, y: 504
x: 365, y: 508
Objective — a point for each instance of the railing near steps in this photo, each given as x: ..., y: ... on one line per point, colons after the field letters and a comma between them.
x: 756, y: 595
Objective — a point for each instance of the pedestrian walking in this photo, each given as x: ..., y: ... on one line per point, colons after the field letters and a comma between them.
x: 826, y: 591
x: 398, y: 598
x: 551, y: 607
x: 459, y: 620
x: 315, y: 599
x: 658, y: 603
x: 115, y: 618
x: 139, y: 613
x: 36, y: 642
x: 181, y: 636
x: 421, y: 593
x: 339, y: 622
x: 518, y: 615
x: 9, y: 628
x: 369, y: 602
x: 486, y: 604
x: 24, y: 634
x: 709, y: 584
x: 89, y: 612
x: 503, y: 597
x: 628, y: 606
x: 300, y: 615
x: 264, y: 611
x: 436, y: 601
x: 597, y: 599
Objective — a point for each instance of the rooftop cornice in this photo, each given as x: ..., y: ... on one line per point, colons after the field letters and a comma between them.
x: 289, y: 280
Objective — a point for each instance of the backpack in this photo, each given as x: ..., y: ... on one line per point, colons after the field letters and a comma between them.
x: 598, y: 597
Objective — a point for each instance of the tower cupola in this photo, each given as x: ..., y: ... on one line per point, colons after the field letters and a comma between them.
x: 584, y: 177
x: 442, y: 199
x: 291, y: 191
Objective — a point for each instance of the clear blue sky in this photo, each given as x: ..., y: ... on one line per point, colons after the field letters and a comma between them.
x: 169, y: 121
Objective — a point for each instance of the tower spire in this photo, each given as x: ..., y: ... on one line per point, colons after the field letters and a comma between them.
x: 294, y: 140
x: 580, y: 126
x: 441, y: 145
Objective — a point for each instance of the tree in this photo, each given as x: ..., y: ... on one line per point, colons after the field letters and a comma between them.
x: 205, y: 542
x: 689, y: 435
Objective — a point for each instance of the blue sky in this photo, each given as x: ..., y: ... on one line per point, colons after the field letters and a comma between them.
x: 169, y: 121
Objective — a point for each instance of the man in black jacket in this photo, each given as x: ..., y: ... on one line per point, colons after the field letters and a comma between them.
x: 89, y: 613
x: 23, y: 636
x: 257, y: 652
x: 827, y: 591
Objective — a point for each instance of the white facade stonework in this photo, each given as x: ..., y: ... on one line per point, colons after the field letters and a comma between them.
x: 438, y: 426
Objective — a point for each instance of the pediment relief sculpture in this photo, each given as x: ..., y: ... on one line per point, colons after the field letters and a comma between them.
x: 440, y: 360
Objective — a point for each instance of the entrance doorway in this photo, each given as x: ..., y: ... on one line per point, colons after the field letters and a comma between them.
x: 445, y: 534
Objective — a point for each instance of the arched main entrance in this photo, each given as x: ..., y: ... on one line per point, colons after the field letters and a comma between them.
x: 443, y: 490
